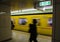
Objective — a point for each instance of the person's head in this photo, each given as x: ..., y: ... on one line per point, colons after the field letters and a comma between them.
x: 34, y: 21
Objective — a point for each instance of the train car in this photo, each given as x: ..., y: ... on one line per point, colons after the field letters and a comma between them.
x: 44, y: 25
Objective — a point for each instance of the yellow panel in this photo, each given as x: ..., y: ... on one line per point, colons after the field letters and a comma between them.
x: 42, y: 29
x: 21, y: 4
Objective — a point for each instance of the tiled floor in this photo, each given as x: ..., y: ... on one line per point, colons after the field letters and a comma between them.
x: 19, y: 36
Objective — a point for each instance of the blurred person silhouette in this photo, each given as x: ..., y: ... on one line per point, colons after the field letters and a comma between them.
x: 33, y: 31
x: 12, y: 25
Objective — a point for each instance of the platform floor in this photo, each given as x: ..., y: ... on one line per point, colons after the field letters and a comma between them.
x: 19, y: 36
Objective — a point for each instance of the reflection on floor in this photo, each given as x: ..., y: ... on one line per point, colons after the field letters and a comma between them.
x: 19, y: 36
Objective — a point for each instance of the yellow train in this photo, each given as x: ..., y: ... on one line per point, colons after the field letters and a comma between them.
x: 43, y: 26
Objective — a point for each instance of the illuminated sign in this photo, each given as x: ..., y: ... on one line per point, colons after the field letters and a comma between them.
x: 44, y: 3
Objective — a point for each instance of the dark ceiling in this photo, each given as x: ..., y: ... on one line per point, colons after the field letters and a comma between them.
x: 5, y: 1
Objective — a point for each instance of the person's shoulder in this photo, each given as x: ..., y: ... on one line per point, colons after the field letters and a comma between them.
x: 29, y: 24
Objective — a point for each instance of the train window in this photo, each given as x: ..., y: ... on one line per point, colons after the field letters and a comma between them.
x: 22, y: 21
x: 50, y: 21
x: 12, y: 19
x: 38, y: 22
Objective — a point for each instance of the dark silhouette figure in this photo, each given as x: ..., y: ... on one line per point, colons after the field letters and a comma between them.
x: 12, y: 25
x: 33, y: 31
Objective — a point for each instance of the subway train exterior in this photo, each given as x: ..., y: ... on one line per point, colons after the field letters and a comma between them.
x: 44, y: 23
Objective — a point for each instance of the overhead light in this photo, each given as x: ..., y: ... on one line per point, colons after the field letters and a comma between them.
x: 16, y: 11
x: 2, y: 12
x: 48, y: 7
x: 29, y: 9
x: 20, y: 11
